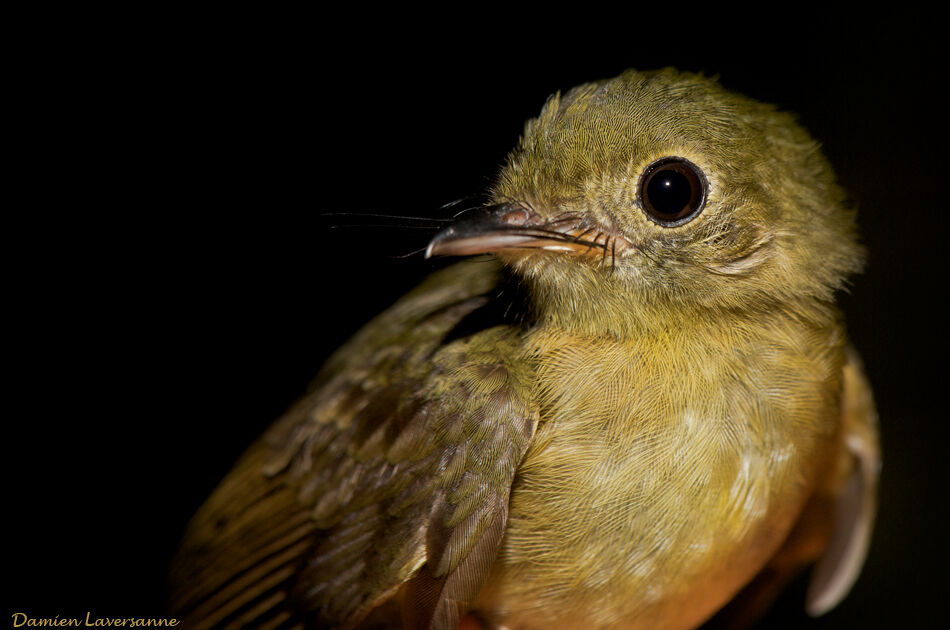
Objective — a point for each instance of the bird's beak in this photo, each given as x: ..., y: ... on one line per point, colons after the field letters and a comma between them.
x: 494, y: 228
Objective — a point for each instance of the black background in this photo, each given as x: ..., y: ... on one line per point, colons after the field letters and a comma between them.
x: 173, y: 285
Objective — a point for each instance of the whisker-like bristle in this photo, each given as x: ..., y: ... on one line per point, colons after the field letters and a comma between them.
x: 585, y: 233
x: 564, y: 217
x: 384, y: 216
x: 542, y: 231
x: 456, y: 202
x: 384, y: 225
x: 412, y: 253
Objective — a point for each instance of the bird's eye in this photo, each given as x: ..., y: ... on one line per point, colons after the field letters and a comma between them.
x: 672, y: 191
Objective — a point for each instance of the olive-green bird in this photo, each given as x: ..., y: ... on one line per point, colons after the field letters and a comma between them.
x: 644, y: 402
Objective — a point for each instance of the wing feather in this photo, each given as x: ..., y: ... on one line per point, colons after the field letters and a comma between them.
x: 392, y: 474
x: 855, y: 505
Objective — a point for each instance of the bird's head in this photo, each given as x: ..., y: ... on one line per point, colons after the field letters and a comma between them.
x: 660, y: 195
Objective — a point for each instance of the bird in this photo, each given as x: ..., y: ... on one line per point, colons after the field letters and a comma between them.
x: 632, y: 403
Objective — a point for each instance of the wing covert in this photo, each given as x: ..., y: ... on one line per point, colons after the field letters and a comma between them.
x: 855, y: 503
x: 391, y: 476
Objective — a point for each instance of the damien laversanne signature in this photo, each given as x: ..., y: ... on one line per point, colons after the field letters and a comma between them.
x: 22, y: 619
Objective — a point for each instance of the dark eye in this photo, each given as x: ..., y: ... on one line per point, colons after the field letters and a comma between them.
x: 672, y: 191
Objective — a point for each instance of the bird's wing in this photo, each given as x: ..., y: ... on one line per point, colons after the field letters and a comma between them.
x: 855, y: 500
x: 390, y: 477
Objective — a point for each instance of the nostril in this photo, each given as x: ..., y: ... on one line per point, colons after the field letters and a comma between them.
x: 518, y: 216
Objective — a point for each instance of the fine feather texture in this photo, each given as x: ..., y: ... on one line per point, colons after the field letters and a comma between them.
x: 669, y: 413
x: 377, y: 482
x: 855, y: 498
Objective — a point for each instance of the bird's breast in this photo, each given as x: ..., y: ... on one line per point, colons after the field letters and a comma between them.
x: 661, y: 478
